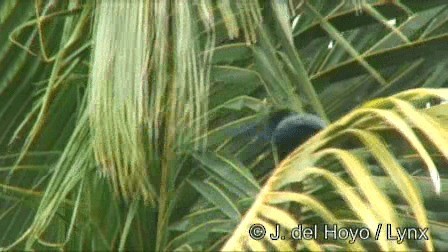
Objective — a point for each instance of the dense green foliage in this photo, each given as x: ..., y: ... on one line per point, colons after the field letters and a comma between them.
x: 134, y: 124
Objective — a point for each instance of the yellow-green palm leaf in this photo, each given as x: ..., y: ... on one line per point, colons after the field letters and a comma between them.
x: 353, y: 176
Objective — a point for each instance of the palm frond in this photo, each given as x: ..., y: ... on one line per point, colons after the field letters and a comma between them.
x: 356, y: 198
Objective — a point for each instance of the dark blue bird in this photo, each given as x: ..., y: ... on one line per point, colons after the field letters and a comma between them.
x: 290, y: 130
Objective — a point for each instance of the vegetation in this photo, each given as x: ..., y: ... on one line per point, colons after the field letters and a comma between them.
x: 141, y: 125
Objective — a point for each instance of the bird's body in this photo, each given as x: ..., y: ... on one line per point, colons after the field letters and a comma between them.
x: 292, y: 130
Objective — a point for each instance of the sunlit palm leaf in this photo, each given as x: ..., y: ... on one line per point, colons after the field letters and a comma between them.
x: 324, y: 162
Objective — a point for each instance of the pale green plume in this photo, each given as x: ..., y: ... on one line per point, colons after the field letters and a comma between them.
x: 119, y: 95
x: 148, y: 74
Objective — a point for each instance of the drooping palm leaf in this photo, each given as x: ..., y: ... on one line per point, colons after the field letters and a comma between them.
x: 356, y: 197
